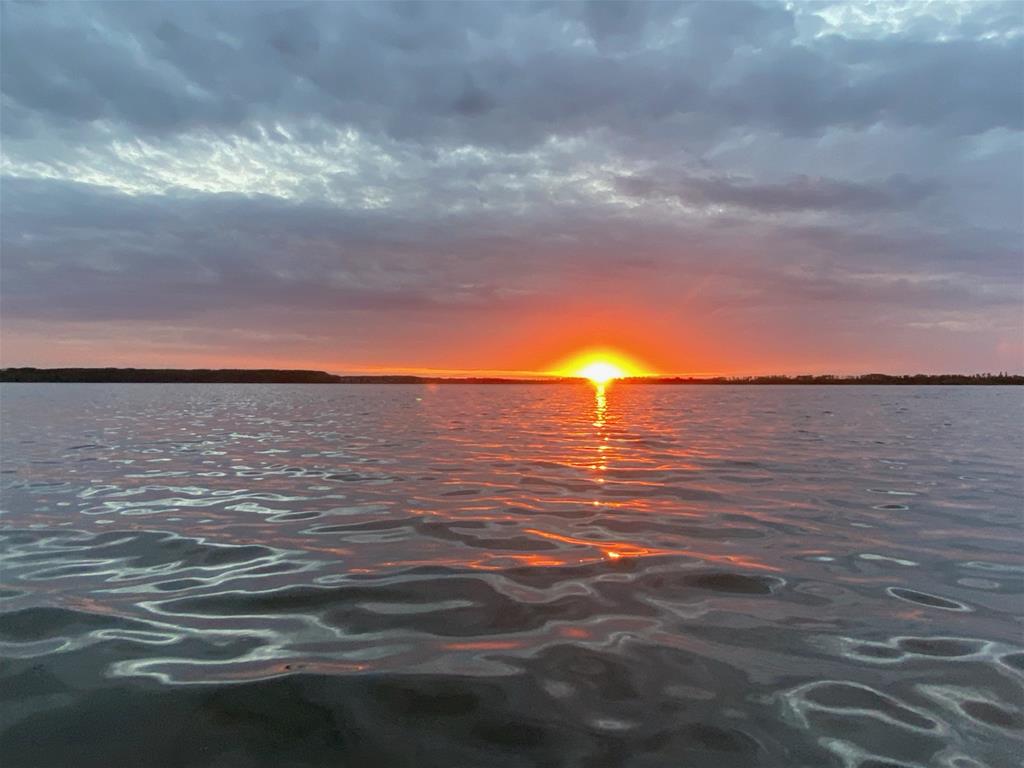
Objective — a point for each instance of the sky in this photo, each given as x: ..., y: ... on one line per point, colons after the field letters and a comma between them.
x: 724, y: 187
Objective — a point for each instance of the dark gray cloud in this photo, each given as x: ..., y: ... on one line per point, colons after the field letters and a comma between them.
x: 400, y: 166
x: 800, y: 193
x: 489, y: 73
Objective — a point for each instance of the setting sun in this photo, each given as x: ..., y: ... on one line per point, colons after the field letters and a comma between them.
x: 601, y: 372
x: 600, y: 366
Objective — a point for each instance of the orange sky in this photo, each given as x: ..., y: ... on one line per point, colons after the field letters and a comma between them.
x: 666, y: 341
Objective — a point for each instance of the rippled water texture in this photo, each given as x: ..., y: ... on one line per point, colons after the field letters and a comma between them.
x: 218, y: 575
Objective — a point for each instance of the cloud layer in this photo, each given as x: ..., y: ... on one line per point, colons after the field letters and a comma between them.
x: 714, y: 186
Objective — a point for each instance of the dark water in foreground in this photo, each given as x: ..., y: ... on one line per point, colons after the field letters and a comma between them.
x: 219, y: 575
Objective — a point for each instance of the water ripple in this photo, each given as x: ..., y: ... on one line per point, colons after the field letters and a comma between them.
x: 510, y: 576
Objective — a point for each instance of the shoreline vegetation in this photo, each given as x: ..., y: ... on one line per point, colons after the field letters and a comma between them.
x: 271, y: 376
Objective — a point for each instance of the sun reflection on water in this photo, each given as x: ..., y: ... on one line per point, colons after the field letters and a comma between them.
x: 600, y: 403
x: 600, y: 422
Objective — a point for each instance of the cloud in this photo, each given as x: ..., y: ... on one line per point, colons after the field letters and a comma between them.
x: 394, y: 168
x: 495, y: 75
x: 800, y: 193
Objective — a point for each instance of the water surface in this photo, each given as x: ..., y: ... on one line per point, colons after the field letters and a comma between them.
x: 238, y: 575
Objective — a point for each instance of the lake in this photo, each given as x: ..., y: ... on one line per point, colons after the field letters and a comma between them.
x: 463, y: 575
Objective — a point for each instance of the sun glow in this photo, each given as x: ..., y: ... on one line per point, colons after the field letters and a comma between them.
x: 600, y: 366
x: 601, y: 372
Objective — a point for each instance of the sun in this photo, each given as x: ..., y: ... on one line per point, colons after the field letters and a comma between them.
x: 600, y: 366
x: 601, y: 372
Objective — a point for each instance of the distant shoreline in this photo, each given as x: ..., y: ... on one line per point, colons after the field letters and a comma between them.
x: 271, y: 376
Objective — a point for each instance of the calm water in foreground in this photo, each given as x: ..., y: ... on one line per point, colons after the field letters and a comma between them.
x: 218, y: 575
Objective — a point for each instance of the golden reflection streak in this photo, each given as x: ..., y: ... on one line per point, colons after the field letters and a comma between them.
x: 600, y: 420
x: 485, y: 645
x: 600, y: 403
x: 615, y: 550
